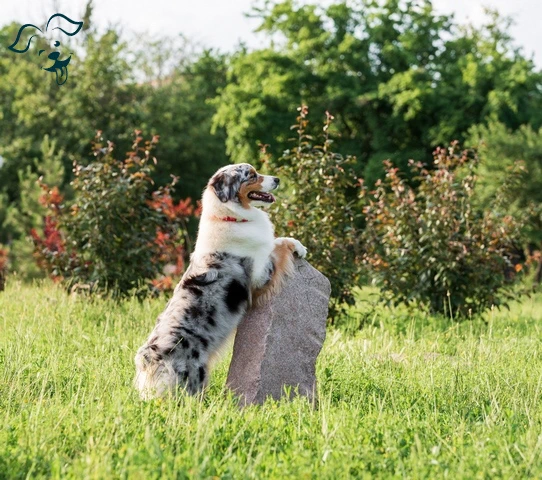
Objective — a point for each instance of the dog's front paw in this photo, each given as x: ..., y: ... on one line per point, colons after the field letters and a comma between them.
x: 298, y: 247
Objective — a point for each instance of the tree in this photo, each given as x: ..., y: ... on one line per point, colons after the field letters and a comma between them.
x: 26, y: 96
x: 179, y: 109
x: 113, y: 87
x: 97, y: 95
x: 399, y: 78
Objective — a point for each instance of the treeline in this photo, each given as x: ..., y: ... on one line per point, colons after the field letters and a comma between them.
x: 399, y: 79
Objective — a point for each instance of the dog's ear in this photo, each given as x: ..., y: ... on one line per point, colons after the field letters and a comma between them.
x: 64, y: 24
x: 226, y: 185
x: 24, y: 37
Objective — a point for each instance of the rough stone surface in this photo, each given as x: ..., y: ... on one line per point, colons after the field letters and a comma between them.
x: 277, y: 344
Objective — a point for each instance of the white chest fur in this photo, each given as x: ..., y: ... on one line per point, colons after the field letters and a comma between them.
x: 253, y: 238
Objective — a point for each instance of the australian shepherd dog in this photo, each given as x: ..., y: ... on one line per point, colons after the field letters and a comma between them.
x: 236, y: 261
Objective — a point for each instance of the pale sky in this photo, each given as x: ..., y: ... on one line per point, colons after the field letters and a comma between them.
x: 222, y: 24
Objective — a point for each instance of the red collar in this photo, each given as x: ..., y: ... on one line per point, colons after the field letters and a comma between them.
x: 232, y: 219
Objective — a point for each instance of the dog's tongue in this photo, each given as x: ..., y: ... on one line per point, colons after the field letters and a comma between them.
x: 61, y: 75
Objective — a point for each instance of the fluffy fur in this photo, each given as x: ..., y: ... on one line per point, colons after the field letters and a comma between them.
x: 236, y: 261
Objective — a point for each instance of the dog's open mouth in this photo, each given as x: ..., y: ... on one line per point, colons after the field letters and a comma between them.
x: 60, y: 67
x: 261, y: 197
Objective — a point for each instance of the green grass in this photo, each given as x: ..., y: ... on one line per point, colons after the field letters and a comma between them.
x: 407, y: 396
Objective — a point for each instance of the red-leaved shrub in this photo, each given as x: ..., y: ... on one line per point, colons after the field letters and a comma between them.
x: 431, y: 246
x: 117, y: 234
x: 3, y: 267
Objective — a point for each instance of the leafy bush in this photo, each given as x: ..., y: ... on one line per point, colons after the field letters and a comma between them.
x: 430, y: 246
x: 116, y: 232
x: 499, y: 148
x: 316, y: 209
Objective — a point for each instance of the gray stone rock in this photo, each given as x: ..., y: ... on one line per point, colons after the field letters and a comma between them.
x: 277, y: 344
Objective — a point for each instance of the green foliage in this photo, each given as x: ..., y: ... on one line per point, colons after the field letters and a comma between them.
x: 430, y: 246
x: 5, y: 236
x: 499, y: 148
x: 387, y: 70
x: 178, y: 107
x: 114, y: 234
x: 26, y: 96
x: 27, y: 212
x: 98, y: 94
x: 398, y: 77
x: 315, y: 209
x: 407, y: 397
x: 105, y: 92
x: 256, y: 104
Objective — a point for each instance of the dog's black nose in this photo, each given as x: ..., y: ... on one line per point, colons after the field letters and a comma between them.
x: 277, y: 181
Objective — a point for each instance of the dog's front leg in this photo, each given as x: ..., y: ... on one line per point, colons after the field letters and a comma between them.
x: 280, y: 266
x: 292, y: 244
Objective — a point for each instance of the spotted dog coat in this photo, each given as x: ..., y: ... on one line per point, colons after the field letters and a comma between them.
x: 236, y: 261
x: 208, y: 303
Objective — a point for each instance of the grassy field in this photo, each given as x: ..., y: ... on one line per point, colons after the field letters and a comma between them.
x: 408, y: 396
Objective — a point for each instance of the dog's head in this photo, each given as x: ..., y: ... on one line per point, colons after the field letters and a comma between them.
x: 243, y: 185
x: 52, y: 58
